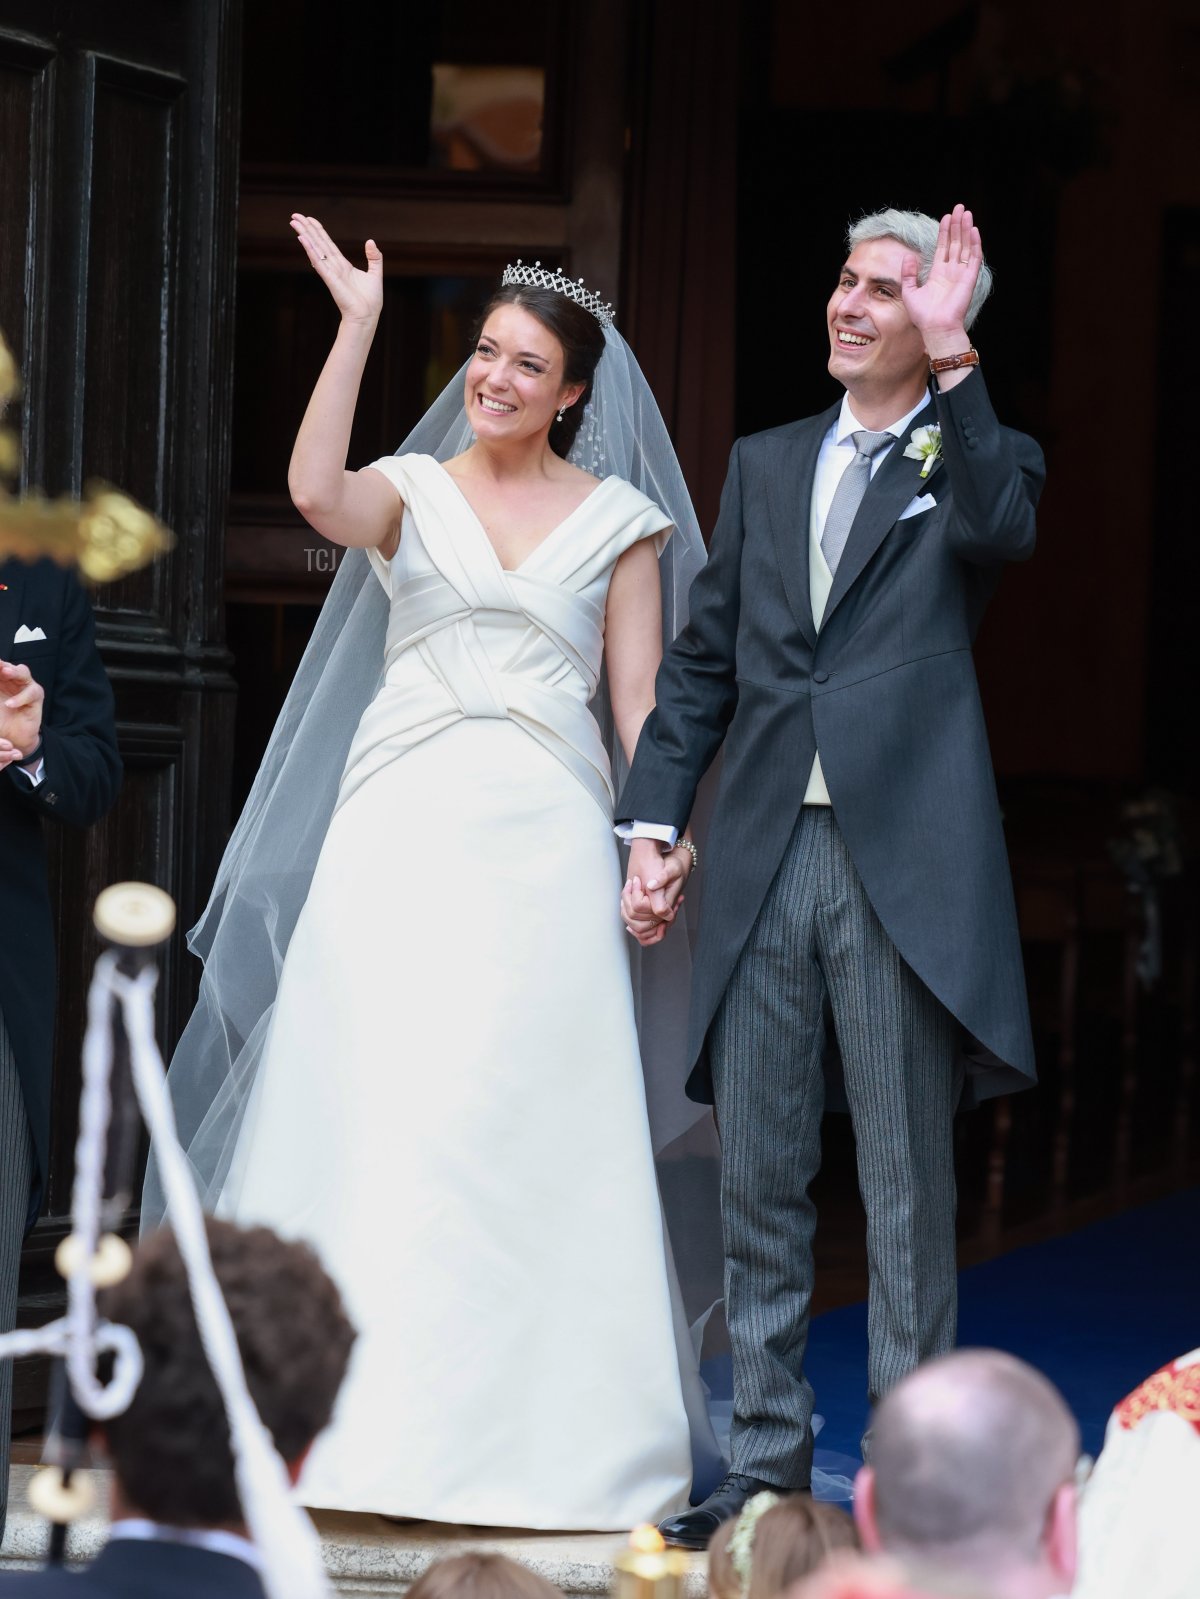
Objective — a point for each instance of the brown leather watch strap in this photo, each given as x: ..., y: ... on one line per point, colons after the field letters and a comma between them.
x: 951, y: 363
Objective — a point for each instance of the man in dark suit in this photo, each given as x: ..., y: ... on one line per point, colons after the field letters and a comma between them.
x: 178, y: 1530
x: 58, y: 760
x: 856, y: 869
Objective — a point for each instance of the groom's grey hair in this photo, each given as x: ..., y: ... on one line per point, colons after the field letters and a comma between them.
x: 968, y: 1452
x: 918, y: 233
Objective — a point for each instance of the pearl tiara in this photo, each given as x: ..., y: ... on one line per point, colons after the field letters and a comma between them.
x: 539, y: 277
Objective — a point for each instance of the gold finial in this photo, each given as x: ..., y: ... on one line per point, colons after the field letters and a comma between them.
x: 646, y: 1540
x: 117, y: 536
x: 647, y: 1569
x: 106, y: 535
x: 10, y: 383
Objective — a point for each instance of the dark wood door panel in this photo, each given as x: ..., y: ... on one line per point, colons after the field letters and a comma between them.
x: 156, y: 32
x: 21, y: 91
x: 119, y: 126
x: 130, y: 225
x: 26, y: 88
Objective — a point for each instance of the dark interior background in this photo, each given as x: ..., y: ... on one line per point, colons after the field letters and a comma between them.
x: 698, y: 161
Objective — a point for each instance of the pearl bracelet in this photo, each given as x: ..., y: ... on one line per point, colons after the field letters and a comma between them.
x: 686, y: 843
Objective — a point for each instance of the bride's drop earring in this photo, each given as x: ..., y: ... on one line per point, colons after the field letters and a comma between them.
x: 560, y: 412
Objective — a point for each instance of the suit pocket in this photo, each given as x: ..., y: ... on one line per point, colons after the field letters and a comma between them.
x: 919, y: 519
x: 918, y: 506
x: 911, y: 528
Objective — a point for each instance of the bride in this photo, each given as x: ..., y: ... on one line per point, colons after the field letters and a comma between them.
x: 415, y: 1045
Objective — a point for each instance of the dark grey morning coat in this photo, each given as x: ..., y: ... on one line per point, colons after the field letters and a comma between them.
x: 82, y: 775
x: 886, y: 691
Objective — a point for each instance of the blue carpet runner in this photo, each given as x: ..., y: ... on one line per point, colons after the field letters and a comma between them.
x: 1096, y: 1310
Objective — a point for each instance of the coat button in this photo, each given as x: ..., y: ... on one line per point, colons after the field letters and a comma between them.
x: 51, y: 799
x: 820, y: 677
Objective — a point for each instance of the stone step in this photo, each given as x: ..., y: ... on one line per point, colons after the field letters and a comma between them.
x: 366, y: 1555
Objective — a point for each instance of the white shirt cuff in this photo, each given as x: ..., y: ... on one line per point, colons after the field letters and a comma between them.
x: 631, y: 830
x: 36, y: 772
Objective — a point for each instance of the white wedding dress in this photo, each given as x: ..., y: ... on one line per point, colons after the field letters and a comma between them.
x: 450, y: 1106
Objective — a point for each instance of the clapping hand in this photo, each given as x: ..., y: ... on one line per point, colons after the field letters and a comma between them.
x: 20, y: 712
x: 358, y: 295
x: 938, y: 307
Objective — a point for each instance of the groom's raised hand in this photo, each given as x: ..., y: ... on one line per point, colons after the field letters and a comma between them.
x: 938, y: 307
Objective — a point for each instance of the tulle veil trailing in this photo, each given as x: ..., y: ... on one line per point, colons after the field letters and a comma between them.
x: 263, y: 880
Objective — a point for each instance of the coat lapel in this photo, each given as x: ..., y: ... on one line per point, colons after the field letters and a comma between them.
x: 896, y: 483
x: 13, y: 578
x: 792, y: 467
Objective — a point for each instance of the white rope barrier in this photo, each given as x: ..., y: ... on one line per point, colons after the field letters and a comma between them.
x: 284, y: 1535
x: 282, y: 1532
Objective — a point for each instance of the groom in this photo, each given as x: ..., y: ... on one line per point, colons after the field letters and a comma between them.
x: 858, y: 891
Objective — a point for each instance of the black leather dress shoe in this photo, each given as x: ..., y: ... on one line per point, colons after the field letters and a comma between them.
x: 693, y: 1528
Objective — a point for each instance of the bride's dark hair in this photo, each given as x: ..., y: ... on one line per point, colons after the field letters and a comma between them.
x: 581, y: 338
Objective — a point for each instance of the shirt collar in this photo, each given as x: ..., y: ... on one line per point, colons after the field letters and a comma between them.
x: 138, y: 1530
x: 847, y: 423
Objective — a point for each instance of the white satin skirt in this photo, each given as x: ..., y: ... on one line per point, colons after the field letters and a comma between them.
x: 451, y: 1110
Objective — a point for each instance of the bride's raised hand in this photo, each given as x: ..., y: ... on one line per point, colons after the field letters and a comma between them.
x: 358, y: 295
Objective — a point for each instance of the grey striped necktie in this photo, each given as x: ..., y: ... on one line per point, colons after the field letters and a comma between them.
x: 848, y: 495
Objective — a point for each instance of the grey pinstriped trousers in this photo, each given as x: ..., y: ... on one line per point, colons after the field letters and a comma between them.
x: 816, y: 945
x: 16, y: 1174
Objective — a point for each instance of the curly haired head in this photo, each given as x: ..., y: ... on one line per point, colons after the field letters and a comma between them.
x: 170, y: 1450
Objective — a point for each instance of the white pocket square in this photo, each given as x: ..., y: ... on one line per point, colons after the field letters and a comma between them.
x: 923, y: 502
x: 27, y: 635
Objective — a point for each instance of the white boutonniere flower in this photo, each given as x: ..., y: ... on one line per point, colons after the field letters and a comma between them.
x: 925, y: 445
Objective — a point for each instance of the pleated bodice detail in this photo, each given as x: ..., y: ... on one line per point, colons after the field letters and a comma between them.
x: 468, y: 638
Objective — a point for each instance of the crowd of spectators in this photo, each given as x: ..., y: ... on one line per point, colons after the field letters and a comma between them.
x: 975, y: 1487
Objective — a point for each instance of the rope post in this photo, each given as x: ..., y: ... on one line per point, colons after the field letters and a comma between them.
x: 133, y: 919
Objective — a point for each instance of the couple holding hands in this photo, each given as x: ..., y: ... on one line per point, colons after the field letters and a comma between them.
x: 417, y: 1041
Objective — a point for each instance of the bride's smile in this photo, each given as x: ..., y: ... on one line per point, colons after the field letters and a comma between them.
x: 514, y: 382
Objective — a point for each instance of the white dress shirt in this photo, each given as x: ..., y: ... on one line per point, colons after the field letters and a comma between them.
x: 137, y: 1530
x: 835, y: 455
